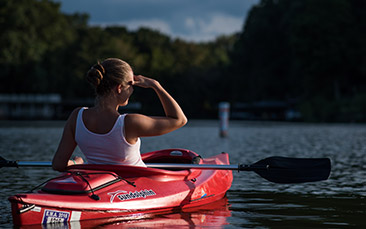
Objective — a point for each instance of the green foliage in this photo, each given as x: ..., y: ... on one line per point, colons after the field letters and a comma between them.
x: 30, y: 31
x: 308, y: 51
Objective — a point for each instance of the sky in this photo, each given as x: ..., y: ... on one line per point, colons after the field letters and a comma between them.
x: 191, y: 20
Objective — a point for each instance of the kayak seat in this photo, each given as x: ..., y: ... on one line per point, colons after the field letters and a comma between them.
x: 172, y: 156
x: 178, y: 156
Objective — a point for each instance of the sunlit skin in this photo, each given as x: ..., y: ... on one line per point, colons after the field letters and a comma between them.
x: 102, y: 117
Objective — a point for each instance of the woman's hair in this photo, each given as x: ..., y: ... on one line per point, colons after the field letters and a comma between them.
x: 108, y: 74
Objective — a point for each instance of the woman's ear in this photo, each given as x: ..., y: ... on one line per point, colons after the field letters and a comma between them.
x: 119, y: 88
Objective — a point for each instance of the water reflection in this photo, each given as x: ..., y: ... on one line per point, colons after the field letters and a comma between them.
x: 211, y: 215
x: 270, y: 209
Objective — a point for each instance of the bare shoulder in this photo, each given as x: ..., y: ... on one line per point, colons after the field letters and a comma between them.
x: 74, y: 113
x: 134, y: 118
x: 135, y: 124
x: 132, y: 127
x: 71, y: 121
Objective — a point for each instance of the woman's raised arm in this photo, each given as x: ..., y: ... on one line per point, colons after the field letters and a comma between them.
x: 137, y: 125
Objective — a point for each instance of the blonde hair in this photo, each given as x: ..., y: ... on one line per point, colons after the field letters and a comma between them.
x: 108, y: 74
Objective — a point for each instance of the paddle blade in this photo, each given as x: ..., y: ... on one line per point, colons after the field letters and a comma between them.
x: 293, y: 170
x: 6, y: 163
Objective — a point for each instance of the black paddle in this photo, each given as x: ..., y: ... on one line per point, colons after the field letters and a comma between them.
x: 292, y: 170
x: 282, y: 170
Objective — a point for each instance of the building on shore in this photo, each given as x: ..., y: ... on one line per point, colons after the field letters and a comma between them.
x: 29, y: 106
x: 266, y: 110
x: 44, y: 106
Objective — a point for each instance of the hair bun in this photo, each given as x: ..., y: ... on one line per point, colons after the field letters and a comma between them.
x: 96, y: 74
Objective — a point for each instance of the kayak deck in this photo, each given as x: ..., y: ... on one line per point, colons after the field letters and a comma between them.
x: 102, y: 191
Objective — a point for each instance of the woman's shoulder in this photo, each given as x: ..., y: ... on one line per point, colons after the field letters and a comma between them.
x: 133, y: 118
x: 73, y: 116
x: 75, y: 112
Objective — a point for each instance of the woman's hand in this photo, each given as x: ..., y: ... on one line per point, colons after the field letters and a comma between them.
x: 145, y: 82
x: 75, y: 161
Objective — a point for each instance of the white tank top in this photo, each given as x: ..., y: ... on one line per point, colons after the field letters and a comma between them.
x: 109, y: 148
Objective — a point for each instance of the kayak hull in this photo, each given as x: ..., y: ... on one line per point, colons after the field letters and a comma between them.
x: 88, y: 192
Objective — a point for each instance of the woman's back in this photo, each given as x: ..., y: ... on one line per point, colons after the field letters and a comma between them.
x: 108, y: 146
x: 99, y: 122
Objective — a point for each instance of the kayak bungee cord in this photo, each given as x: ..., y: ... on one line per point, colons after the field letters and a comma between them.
x: 53, y: 178
x: 82, y: 176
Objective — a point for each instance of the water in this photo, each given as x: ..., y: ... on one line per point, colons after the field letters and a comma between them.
x: 252, y: 202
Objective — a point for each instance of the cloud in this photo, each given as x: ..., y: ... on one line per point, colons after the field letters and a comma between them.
x: 198, y: 29
x: 209, y: 27
x: 224, y: 24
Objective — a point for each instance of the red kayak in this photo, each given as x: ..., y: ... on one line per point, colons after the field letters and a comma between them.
x: 88, y: 192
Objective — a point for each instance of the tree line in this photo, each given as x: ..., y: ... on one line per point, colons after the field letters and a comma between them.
x: 308, y: 51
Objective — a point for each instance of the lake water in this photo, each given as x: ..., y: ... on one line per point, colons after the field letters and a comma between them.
x: 252, y: 202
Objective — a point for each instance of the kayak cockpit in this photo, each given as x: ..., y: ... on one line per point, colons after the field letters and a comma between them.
x: 179, y: 156
x: 84, y: 178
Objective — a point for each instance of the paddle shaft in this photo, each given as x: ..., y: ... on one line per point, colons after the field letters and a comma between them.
x: 33, y: 164
x: 149, y: 165
x: 194, y: 166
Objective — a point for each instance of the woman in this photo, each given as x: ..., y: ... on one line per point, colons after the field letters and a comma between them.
x: 103, y: 135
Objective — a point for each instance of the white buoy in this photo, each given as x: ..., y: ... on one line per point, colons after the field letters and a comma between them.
x: 224, y: 111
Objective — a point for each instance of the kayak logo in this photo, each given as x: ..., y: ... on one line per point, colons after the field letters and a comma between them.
x: 51, y: 216
x: 114, y: 194
x: 124, y: 195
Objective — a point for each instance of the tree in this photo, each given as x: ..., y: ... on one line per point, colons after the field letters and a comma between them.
x: 30, y: 31
x: 313, y: 51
